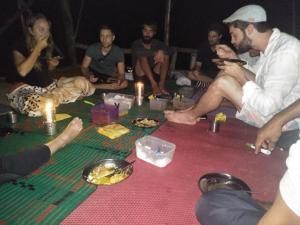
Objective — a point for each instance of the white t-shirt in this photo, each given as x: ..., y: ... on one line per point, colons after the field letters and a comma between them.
x: 290, y: 183
x: 277, y: 80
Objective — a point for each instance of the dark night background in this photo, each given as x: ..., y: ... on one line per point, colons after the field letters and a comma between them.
x: 189, y: 20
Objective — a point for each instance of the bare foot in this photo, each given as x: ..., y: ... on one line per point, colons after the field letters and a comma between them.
x: 164, y: 91
x: 156, y: 90
x: 71, y: 131
x: 180, y: 117
x: 69, y: 134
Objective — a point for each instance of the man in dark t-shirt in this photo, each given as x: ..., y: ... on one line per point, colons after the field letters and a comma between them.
x: 204, y: 69
x: 104, y: 63
x: 151, y: 59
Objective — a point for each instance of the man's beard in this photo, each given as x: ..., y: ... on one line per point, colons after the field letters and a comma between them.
x: 244, y: 46
x: 147, y: 39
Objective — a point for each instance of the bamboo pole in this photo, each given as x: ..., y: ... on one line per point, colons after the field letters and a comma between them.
x: 167, y: 22
x: 69, y: 31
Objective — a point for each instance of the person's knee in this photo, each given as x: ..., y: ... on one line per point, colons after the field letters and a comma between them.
x: 124, y: 84
x: 221, y: 83
x: 138, y: 70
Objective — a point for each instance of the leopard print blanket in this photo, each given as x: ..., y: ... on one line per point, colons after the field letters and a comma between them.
x: 30, y: 100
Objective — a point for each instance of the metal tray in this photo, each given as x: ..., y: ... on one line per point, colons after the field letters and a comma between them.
x: 121, y: 166
x: 212, y: 181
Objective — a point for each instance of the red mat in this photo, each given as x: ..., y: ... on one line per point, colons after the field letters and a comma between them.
x: 168, y: 195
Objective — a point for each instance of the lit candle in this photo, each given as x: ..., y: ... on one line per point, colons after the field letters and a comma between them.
x: 139, y: 89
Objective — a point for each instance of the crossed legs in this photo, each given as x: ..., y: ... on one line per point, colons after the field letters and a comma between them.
x: 142, y: 68
x: 224, y: 87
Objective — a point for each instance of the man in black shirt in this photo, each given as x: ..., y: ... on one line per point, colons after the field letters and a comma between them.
x: 204, y: 69
x: 151, y: 59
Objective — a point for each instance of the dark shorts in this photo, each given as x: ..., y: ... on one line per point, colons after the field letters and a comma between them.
x: 102, y: 78
x: 228, y: 207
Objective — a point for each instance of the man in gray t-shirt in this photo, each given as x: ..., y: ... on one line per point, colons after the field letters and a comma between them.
x: 104, y: 62
x: 151, y: 59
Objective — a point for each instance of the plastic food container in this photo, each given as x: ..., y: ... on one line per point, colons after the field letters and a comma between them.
x: 104, y: 114
x: 155, y: 150
x: 158, y: 104
x: 125, y: 101
x: 182, y: 103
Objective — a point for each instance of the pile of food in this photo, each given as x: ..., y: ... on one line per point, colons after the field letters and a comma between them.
x: 107, y: 175
x: 145, y: 122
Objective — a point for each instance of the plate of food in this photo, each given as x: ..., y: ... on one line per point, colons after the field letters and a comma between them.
x: 220, y: 62
x: 145, y: 122
x: 212, y: 181
x: 107, y: 172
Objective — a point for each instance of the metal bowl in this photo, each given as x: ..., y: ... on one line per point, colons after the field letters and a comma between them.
x: 121, y: 166
x: 212, y: 181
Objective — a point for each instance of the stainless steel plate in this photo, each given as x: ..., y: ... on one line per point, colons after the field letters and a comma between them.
x: 118, y: 170
x: 212, y: 181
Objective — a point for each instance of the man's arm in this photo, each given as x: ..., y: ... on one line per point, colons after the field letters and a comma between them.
x: 86, y: 62
x: 279, y: 214
x: 121, y: 72
x: 25, y: 65
x: 241, y: 74
x: 274, y: 83
x: 269, y: 134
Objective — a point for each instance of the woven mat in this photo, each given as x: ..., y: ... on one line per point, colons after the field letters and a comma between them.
x: 58, y: 186
x: 53, y: 191
x: 168, y: 195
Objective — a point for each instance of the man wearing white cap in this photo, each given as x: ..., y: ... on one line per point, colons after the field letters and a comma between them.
x: 279, y: 62
x: 258, y: 93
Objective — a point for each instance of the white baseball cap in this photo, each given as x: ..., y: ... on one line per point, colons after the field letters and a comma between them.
x: 248, y: 13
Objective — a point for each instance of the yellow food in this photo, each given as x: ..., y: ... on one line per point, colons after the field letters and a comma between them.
x: 106, y: 176
x: 146, y: 123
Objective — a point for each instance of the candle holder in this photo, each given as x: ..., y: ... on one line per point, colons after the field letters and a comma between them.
x: 51, y: 128
x: 50, y: 118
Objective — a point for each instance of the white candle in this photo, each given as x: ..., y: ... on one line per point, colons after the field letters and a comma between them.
x: 139, y: 89
x: 49, y: 112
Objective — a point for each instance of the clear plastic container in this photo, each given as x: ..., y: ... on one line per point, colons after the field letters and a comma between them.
x: 158, y: 104
x: 182, y: 103
x: 155, y: 150
x: 104, y: 114
x: 125, y: 101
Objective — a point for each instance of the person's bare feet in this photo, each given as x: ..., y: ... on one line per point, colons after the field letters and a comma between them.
x: 181, y: 117
x: 164, y: 91
x: 155, y: 89
x: 68, y: 135
x: 71, y: 131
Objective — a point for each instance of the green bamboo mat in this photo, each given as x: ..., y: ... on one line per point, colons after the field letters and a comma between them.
x: 57, y: 186
x: 49, y: 194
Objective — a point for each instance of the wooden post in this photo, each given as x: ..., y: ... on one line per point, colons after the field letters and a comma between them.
x: 69, y: 30
x: 21, y: 5
x: 167, y: 22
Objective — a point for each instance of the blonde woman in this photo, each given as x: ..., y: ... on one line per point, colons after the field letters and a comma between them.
x: 34, y: 63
